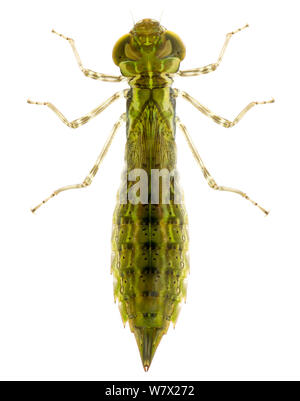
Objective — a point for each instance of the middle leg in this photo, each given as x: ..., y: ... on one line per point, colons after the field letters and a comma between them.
x: 78, y: 122
x: 217, y: 119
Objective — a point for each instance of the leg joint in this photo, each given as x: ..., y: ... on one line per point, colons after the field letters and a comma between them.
x: 212, y: 183
x: 87, y: 181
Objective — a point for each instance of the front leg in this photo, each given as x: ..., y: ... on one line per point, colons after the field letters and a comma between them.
x: 210, y: 67
x: 87, y: 72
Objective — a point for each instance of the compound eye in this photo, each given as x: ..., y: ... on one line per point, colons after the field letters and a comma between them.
x: 118, y: 53
x: 165, y: 50
x: 178, y: 48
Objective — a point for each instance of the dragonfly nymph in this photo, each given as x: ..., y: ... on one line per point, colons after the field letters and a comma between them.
x: 150, y: 227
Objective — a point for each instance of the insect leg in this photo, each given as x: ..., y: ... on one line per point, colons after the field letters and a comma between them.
x: 210, y: 67
x: 82, y: 120
x: 210, y: 180
x: 87, y: 72
x: 89, y: 178
x: 217, y: 119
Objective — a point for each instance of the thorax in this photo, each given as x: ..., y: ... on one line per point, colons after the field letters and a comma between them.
x: 151, y: 128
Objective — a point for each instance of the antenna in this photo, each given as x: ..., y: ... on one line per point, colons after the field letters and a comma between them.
x: 131, y: 13
x: 160, y: 17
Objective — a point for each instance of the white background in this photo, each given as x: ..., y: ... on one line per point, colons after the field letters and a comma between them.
x: 57, y: 315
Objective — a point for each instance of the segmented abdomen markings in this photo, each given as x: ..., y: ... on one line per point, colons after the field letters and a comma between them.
x: 149, y: 263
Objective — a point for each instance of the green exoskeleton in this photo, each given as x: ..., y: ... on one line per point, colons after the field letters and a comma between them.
x: 150, y: 239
